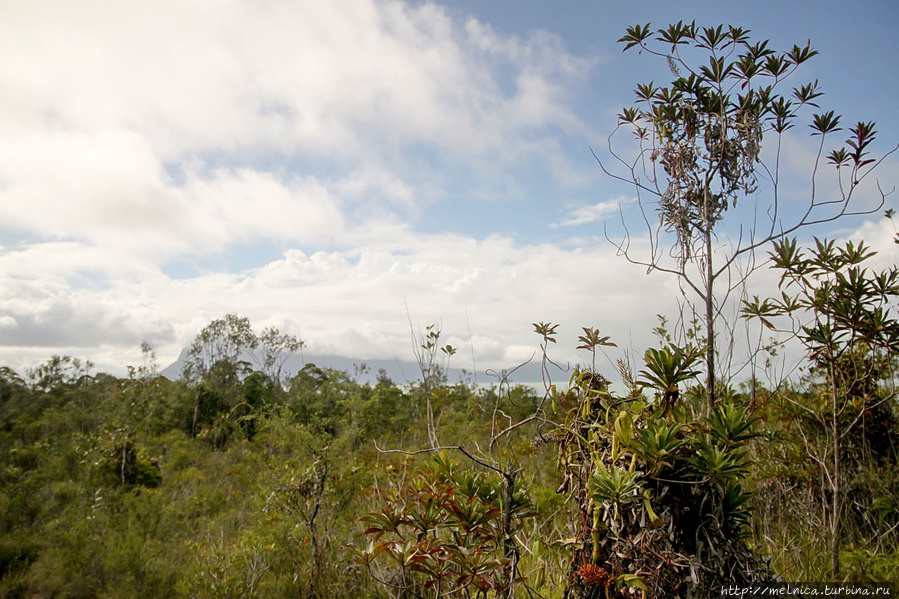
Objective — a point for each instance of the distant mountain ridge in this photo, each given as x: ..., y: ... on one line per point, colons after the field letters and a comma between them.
x: 400, y: 372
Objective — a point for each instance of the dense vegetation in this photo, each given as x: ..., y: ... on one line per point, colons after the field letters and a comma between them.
x: 112, y: 487
x: 243, y: 480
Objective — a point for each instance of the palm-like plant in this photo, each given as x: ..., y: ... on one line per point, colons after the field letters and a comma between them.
x: 614, y: 485
x: 666, y: 368
x: 658, y: 444
x: 730, y: 425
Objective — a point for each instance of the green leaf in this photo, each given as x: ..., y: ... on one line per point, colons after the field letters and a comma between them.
x: 825, y: 123
x: 677, y: 34
x: 592, y: 339
x: 711, y: 37
x: 800, y: 54
x: 635, y: 36
x: 632, y: 581
x: 807, y: 93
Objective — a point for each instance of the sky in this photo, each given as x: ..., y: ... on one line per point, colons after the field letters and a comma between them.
x: 351, y: 171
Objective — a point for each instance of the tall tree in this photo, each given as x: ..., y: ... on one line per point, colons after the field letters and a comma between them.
x: 273, y: 350
x: 224, y: 339
x: 220, y: 352
x: 844, y: 316
x: 700, y: 155
x: 216, y: 356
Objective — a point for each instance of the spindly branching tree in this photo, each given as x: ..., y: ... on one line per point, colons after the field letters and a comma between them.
x: 225, y: 339
x: 224, y: 351
x: 273, y: 350
x: 699, y: 157
x: 844, y: 316
x: 455, y: 531
x: 433, y: 361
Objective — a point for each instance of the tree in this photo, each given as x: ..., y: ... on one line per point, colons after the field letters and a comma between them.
x: 128, y: 413
x: 58, y: 374
x: 224, y: 339
x: 495, y: 501
x: 215, y: 357
x: 274, y: 349
x: 700, y: 156
x: 840, y: 312
x: 218, y: 357
x: 433, y: 361
x: 12, y: 390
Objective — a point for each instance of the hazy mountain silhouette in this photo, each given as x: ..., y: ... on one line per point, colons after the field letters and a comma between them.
x: 399, y: 371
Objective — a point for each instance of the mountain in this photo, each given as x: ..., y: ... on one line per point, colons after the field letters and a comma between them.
x: 399, y: 371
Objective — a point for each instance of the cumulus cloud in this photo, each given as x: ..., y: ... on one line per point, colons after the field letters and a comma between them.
x: 107, y: 192
x: 358, y: 302
x: 48, y: 315
x: 595, y: 212
x: 135, y: 134
x: 326, y: 78
x: 244, y: 204
x: 169, y: 129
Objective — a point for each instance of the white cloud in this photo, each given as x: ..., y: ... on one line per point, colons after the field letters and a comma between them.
x: 322, y: 77
x: 8, y: 323
x: 108, y: 190
x: 133, y: 134
x: 354, y: 302
x: 243, y: 204
x: 177, y: 128
x: 879, y: 235
x: 44, y: 314
x: 595, y: 212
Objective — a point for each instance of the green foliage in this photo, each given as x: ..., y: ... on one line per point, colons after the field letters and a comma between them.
x: 227, y: 487
x: 444, y: 535
x: 849, y: 304
x: 648, y: 486
x: 220, y: 357
x: 322, y: 398
x: 731, y: 426
x: 659, y: 443
x: 699, y: 153
x: 129, y: 466
x: 666, y: 369
x: 59, y: 374
x: 614, y: 486
x: 841, y: 313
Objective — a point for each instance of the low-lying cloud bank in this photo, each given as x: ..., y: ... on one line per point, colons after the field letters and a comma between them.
x: 484, y: 295
x: 167, y: 164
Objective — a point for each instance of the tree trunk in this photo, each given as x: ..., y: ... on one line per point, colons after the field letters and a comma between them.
x: 709, y: 312
x: 124, y: 462
x: 432, y: 427
x: 319, y: 477
x: 836, y: 501
x: 193, y: 424
x: 509, y: 550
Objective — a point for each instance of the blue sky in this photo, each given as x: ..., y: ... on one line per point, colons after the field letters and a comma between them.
x: 325, y: 166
